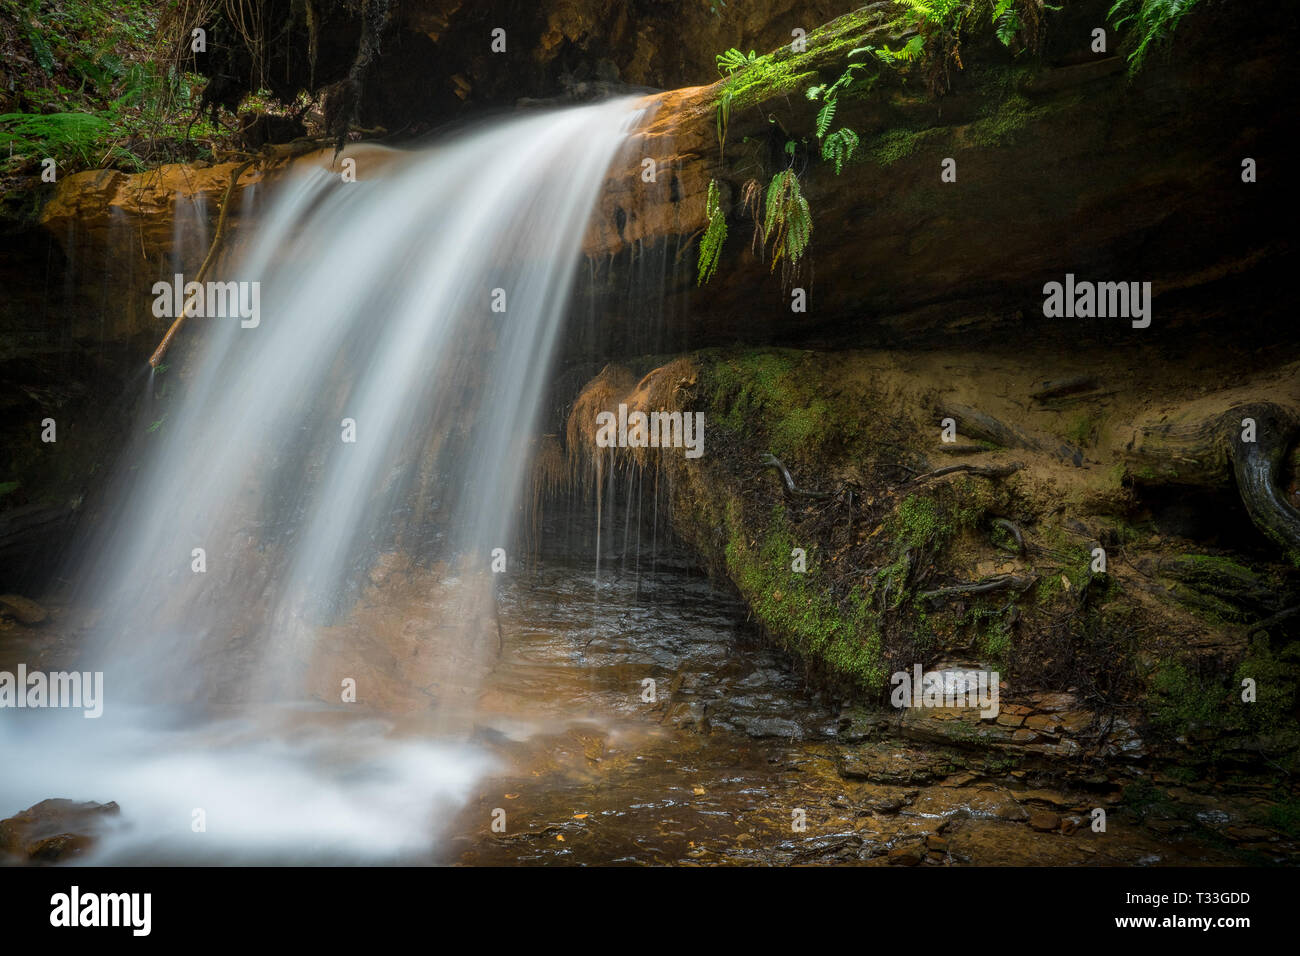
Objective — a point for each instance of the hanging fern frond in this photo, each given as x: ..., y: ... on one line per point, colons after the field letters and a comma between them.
x: 839, y: 146
x: 824, y: 117
x: 751, y: 198
x: 788, y: 222
x: 1154, y: 21
x: 714, y: 235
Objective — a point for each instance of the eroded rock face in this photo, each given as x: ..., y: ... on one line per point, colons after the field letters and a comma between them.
x: 1068, y: 165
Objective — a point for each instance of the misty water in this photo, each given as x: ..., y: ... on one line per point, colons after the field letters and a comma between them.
x: 380, y: 404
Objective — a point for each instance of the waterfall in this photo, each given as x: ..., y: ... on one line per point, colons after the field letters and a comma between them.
x: 376, y: 410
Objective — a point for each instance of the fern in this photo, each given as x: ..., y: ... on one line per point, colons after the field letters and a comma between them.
x: 714, y: 235
x: 788, y: 222
x: 52, y: 134
x: 839, y: 146
x: 1154, y: 20
x: 824, y: 117
x: 733, y: 60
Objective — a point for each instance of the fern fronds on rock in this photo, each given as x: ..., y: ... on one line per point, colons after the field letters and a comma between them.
x: 714, y: 235
x: 788, y: 222
x: 839, y: 146
x: 1154, y: 21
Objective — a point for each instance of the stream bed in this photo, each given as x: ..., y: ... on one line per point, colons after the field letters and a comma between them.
x: 734, y: 761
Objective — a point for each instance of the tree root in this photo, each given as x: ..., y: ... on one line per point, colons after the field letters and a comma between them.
x: 1258, y: 466
x: 1014, y: 530
x: 1208, y: 452
x: 1002, y: 582
x: 772, y: 461
x: 983, y: 471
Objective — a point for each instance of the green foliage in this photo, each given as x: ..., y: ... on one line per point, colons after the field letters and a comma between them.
x: 714, y: 236
x: 787, y: 222
x: 728, y: 63
x: 839, y: 146
x: 836, y: 147
x: 797, y: 608
x: 1154, y: 22
x: 766, y: 387
x: 37, y: 135
x: 734, y: 60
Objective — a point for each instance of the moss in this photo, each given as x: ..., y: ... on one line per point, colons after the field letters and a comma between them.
x: 1082, y: 430
x: 1276, y: 677
x: 784, y: 72
x: 797, y: 608
x: 1283, y: 817
x: 892, y: 145
x: 764, y: 392
x: 918, y: 522
x: 1208, y: 708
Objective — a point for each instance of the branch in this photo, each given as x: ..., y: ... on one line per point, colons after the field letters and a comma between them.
x: 161, y: 350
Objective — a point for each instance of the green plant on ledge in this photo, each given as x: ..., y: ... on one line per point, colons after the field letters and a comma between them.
x: 714, y: 236
x: 728, y: 63
x: 1154, y: 20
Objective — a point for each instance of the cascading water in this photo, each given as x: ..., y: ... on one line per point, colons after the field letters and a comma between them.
x: 377, y: 408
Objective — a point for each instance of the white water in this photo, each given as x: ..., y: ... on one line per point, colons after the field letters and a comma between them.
x: 375, y: 306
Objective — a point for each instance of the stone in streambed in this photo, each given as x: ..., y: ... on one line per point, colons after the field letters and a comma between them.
x: 1044, y: 821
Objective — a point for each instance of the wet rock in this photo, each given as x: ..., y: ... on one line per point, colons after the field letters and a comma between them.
x: 1076, y: 721
x: 22, y: 609
x: 889, y: 763
x: 54, y: 831
x: 990, y: 803
x: 1044, y: 821
x: 772, y: 727
x: 909, y: 855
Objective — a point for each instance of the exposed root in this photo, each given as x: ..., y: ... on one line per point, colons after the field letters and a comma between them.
x: 788, y: 480
x: 1003, y: 582
x: 983, y: 471
x: 1014, y: 530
